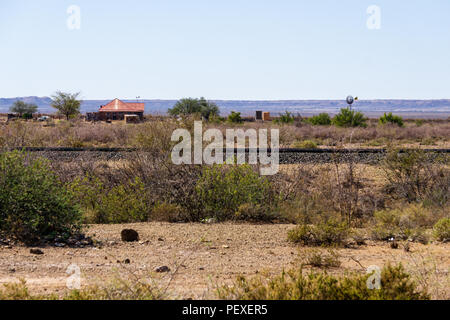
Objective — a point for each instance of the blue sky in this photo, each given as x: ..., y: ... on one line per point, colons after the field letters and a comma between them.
x: 246, y: 49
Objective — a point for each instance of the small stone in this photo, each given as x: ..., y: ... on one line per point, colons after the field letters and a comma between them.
x: 127, y: 261
x: 225, y: 247
x: 201, y: 268
x: 129, y: 235
x: 36, y: 251
x: 162, y: 269
x: 59, y: 244
x: 160, y: 239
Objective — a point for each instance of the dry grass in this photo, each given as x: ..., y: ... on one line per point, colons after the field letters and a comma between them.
x: 82, y: 134
x: 206, y: 255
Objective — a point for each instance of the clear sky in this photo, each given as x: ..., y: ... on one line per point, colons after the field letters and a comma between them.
x: 227, y: 49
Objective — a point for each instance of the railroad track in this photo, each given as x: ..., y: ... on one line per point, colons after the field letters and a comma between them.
x: 286, y: 155
x: 281, y: 150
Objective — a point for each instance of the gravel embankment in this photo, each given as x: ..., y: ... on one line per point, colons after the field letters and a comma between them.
x: 287, y: 156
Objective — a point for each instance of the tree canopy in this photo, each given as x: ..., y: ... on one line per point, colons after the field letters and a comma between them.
x: 22, y: 108
x: 67, y: 104
x: 188, y: 106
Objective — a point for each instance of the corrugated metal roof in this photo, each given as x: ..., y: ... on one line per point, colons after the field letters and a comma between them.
x: 119, y: 106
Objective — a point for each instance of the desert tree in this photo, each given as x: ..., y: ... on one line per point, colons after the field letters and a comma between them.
x: 22, y: 108
x: 189, y: 106
x: 67, y: 104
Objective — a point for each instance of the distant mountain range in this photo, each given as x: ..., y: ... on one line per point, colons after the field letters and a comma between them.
x: 407, y: 108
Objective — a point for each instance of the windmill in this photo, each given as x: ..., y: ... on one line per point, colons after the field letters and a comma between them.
x: 350, y: 100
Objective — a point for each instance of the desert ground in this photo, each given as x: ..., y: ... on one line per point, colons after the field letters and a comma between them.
x: 204, y: 256
x: 406, y: 199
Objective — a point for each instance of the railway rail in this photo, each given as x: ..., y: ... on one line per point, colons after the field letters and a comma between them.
x: 287, y: 155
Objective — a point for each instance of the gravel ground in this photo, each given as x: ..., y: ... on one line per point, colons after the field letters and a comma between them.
x: 200, y: 257
x: 366, y: 156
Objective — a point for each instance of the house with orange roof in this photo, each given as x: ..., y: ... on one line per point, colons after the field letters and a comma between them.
x: 118, y: 110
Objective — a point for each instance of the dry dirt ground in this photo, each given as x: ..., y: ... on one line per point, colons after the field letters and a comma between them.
x: 203, y: 256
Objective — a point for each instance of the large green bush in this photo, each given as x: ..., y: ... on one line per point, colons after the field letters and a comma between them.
x: 190, y: 106
x: 34, y: 205
x: 349, y: 118
x: 222, y: 190
x: 322, y: 119
x: 395, y: 284
x: 441, y: 229
x: 390, y: 118
x: 123, y: 203
x: 235, y: 117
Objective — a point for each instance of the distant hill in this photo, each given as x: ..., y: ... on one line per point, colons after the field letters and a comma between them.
x: 406, y: 108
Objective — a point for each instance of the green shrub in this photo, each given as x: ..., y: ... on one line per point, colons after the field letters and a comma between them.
x: 34, y: 205
x: 419, y: 122
x: 390, y: 118
x: 349, y: 118
x: 19, y: 291
x: 123, y: 203
x: 441, y: 230
x: 320, y: 259
x: 322, y: 119
x: 306, y: 144
x: 285, y: 118
x: 116, y: 289
x: 405, y: 223
x: 120, y: 289
x: 396, y: 284
x: 331, y: 232
x: 235, y: 117
x: 222, y: 190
